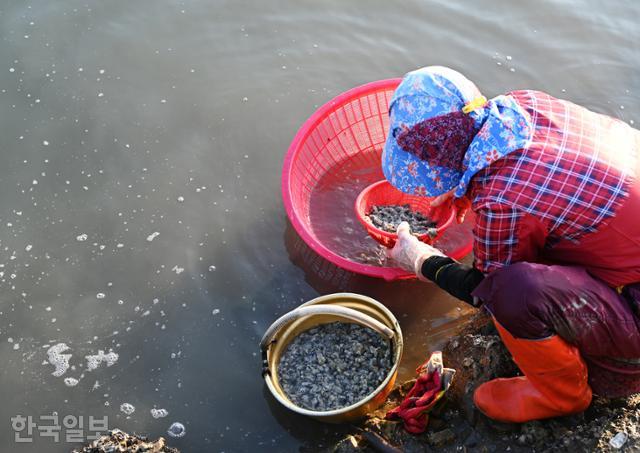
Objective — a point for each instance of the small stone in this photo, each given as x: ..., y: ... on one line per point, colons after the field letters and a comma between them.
x: 619, y: 440
x: 441, y: 438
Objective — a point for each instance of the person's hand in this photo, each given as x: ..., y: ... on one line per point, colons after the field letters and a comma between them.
x: 409, y: 252
x: 444, y: 201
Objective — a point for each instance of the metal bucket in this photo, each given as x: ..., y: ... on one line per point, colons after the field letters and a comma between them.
x: 344, y: 307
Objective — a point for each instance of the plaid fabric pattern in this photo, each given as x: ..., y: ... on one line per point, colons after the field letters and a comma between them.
x: 571, y: 178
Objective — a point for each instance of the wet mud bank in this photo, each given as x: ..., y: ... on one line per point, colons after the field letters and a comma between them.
x: 478, y: 355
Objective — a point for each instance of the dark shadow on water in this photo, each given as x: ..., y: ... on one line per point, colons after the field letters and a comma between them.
x: 311, y: 433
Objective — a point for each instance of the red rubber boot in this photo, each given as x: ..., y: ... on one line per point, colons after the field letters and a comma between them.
x: 554, y: 382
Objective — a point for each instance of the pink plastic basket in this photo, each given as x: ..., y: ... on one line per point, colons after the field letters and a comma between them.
x: 382, y: 193
x: 353, y: 125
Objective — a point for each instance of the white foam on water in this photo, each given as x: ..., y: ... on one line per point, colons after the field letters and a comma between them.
x: 81, y: 238
x: 177, y: 430
x: 94, y: 361
x: 177, y: 270
x: 152, y: 236
x: 100, y: 295
x: 159, y: 413
x: 28, y: 247
x: 71, y: 382
x: 59, y: 360
x: 127, y: 408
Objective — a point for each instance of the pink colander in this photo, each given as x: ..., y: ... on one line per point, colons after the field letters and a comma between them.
x: 351, y: 126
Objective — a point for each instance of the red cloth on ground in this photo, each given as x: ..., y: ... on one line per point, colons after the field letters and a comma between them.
x: 419, y: 401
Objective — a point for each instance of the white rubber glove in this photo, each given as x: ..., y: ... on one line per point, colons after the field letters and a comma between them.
x: 409, y: 252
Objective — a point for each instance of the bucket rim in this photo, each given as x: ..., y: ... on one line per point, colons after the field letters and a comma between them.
x: 398, y: 342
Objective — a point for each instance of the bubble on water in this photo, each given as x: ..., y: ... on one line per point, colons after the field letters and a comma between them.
x: 34, y: 182
x: 177, y: 430
x: 512, y: 69
x: 12, y: 69
x: 159, y: 413
x: 45, y: 143
x: 177, y: 270
x: 164, y: 101
x: 245, y: 99
x: 16, y: 346
x: 59, y: 360
x: 71, y: 382
x: 101, y: 71
x: 180, y: 199
x: 81, y: 238
x: 215, y: 311
x: 100, y: 295
x: 28, y: 247
x: 509, y: 57
x: 100, y: 95
x: 127, y: 408
x: 152, y: 236
x: 212, y: 268
x: 94, y: 361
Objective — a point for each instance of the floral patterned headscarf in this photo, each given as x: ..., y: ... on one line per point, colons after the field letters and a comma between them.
x: 433, y: 146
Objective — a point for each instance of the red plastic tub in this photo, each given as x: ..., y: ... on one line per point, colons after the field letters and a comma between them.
x: 352, y: 126
x: 382, y: 193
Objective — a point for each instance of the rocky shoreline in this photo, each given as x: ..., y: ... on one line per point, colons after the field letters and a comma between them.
x: 478, y: 355
x: 117, y: 441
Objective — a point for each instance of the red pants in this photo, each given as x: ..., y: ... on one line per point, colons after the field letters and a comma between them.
x: 534, y: 301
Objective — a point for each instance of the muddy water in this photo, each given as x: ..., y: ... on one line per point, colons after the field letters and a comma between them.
x: 140, y: 212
